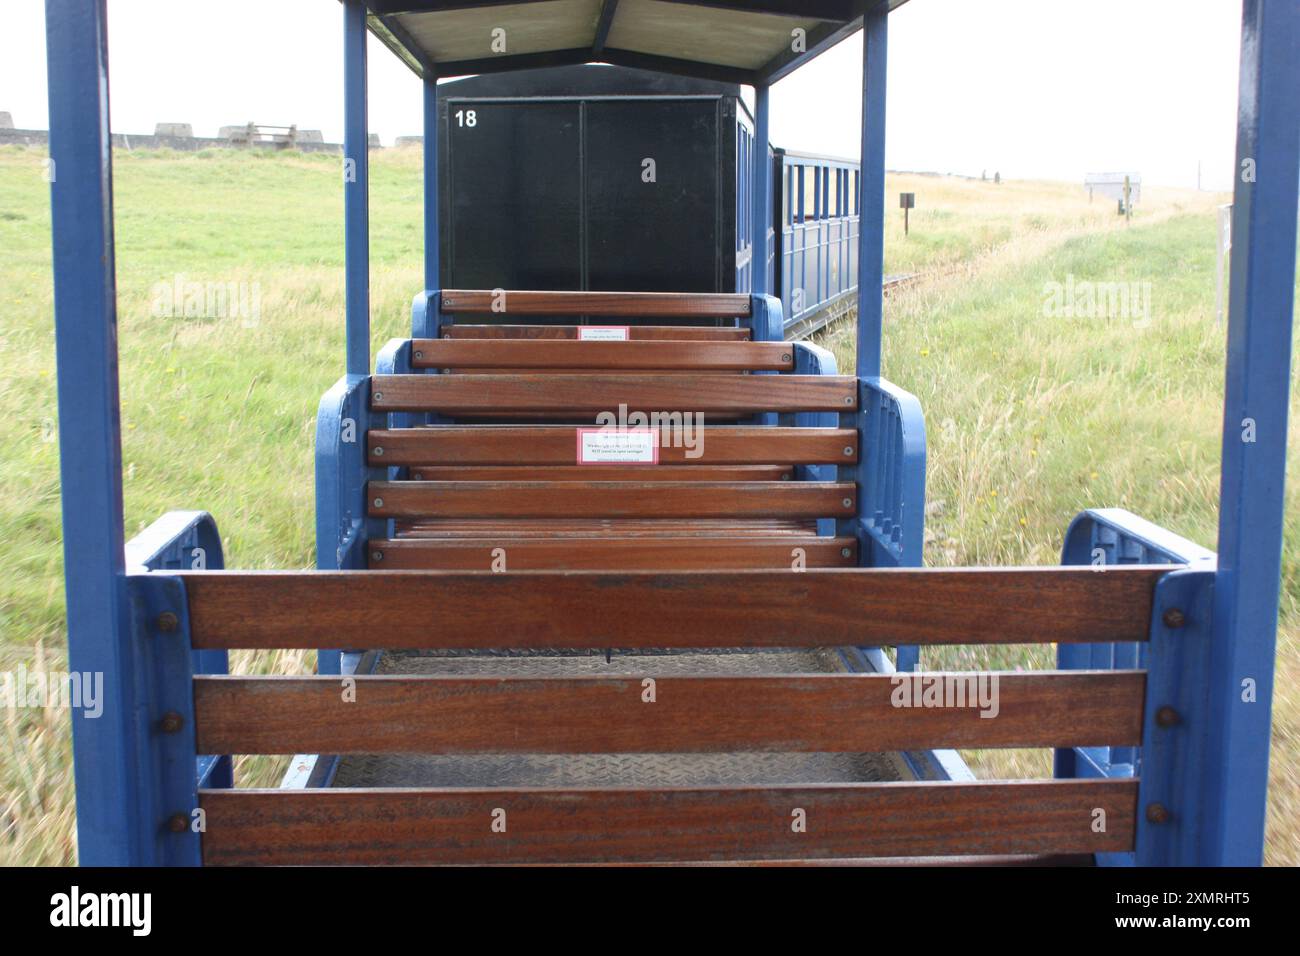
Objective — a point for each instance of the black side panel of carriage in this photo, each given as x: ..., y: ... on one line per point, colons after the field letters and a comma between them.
x: 544, y: 187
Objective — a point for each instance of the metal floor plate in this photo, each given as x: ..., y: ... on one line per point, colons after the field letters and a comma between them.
x: 611, y: 770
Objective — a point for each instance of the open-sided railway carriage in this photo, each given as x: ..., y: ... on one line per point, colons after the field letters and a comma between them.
x: 529, y: 653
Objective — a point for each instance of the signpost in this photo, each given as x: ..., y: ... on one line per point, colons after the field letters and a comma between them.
x: 907, y: 202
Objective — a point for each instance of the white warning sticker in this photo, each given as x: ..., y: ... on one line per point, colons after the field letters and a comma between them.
x: 604, y: 333
x: 630, y: 446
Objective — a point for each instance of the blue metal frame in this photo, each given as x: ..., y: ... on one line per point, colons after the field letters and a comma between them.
x: 187, y: 541
x: 760, y: 218
x: 109, y: 763
x: 356, y: 188
x: 1260, y: 312
x: 871, y: 197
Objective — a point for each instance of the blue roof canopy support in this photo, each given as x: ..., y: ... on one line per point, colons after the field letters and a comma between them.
x: 1260, y: 313
x: 356, y: 187
x: 760, y: 219
x: 432, y: 236
x: 871, y: 196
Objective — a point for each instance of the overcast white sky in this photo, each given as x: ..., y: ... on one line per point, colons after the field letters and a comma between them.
x: 1047, y: 89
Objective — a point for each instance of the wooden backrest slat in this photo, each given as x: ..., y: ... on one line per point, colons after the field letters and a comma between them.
x: 584, y: 609
x: 288, y: 827
x: 715, y: 305
x: 596, y: 393
x: 668, y: 473
x: 838, y: 713
x: 554, y: 445
x: 609, y: 356
x: 608, y: 553
x: 635, y: 333
x: 611, y: 499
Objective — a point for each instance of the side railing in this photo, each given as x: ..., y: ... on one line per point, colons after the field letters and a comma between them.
x: 1176, y: 656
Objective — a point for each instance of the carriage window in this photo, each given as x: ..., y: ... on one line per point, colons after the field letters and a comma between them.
x: 832, y: 192
x: 857, y: 186
x: 810, y: 191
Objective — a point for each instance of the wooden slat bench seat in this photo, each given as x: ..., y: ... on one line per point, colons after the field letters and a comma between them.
x: 553, y: 445
x: 606, y: 392
x: 635, y: 333
x: 481, y: 714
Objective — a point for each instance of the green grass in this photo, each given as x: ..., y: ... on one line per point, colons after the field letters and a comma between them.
x: 1030, y: 419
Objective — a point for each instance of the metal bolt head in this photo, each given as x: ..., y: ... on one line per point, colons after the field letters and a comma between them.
x: 378, y: 396
x: 847, y: 502
x: 848, y: 399
x: 418, y: 476
x: 846, y: 552
x: 379, y: 451
x: 172, y: 722
x: 419, y: 355
x: 376, y: 555
x: 168, y: 622
x: 785, y: 356
x: 1157, y: 813
x: 178, y: 823
x: 1168, y: 717
x: 848, y: 451
x: 1174, y: 618
x: 379, y: 502
x: 785, y: 476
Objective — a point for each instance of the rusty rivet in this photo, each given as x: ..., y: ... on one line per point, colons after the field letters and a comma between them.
x: 379, y: 451
x: 379, y: 502
x: 1168, y: 717
x: 1157, y: 813
x: 376, y: 555
x: 178, y: 823
x: 168, y: 622
x: 1174, y: 618
x: 172, y: 722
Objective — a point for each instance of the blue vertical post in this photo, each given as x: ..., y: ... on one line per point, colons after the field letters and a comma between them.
x: 356, y: 188
x: 431, y: 196
x: 1260, y: 308
x: 871, y: 226
x: 106, y: 754
x: 760, y: 193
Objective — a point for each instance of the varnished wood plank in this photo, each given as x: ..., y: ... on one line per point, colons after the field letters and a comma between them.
x: 589, y: 527
x: 603, y: 473
x: 636, y: 333
x: 822, y: 607
x: 609, y: 356
x: 613, y: 499
x: 839, y: 713
x: 454, y: 826
x: 611, y: 553
x: 554, y: 445
x: 596, y: 393
x: 695, y: 304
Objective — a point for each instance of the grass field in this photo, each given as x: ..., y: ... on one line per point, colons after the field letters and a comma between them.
x: 1031, y: 418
